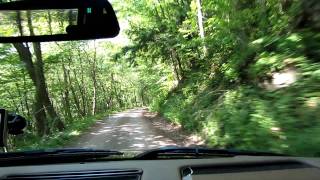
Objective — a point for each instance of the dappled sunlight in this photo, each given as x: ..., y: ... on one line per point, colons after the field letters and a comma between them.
x: 74, y: 133
x: 138, y: 146
x: 124, y: 131
x: 225, y: 74
x: 284, y: 79
x: 132, y: 113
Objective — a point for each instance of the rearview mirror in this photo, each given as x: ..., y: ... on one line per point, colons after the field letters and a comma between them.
x: 57, y: 20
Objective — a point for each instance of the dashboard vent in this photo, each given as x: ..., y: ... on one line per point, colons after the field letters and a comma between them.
x: 244, y: 167
x: 80, y: 175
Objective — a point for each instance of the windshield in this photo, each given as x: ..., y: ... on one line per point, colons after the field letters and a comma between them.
x: 225, y: 74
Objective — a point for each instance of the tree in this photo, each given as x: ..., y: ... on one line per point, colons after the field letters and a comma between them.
x: 200, y: 19
x: 35, y: 70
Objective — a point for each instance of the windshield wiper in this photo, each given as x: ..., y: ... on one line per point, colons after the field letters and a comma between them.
x: 58, y: 154
x: 186, y: 152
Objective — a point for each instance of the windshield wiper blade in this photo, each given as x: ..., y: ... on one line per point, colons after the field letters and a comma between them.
x: 195, y: 152
x: 59, y: 153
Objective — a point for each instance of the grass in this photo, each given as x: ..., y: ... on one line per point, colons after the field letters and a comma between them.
x: 59, y: 139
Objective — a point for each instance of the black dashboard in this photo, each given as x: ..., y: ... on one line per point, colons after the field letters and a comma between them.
x: 230, y: 168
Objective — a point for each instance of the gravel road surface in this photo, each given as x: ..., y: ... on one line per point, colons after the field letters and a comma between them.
x: 129, y: 130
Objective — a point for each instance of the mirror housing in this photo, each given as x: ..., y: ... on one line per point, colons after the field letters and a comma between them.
x: 16, y: 124
x: 10, y: 124
x: 96, y: 19
x: 3, y: 130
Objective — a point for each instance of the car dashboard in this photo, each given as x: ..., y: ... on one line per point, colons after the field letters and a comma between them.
x: 230, y: 168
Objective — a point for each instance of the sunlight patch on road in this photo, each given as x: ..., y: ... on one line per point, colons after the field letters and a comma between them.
x: 139, y: 145
x: 128, y: 130
x: 74, y: 133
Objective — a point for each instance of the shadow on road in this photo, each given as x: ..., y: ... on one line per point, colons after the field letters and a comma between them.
x: 128, y: 130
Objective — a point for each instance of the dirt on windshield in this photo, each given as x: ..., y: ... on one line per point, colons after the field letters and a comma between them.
x: 134, y: 130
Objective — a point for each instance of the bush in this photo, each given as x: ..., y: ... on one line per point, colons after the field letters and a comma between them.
x: 247, y: 115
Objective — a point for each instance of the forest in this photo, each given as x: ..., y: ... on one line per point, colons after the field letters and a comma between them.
x: 243, y: 74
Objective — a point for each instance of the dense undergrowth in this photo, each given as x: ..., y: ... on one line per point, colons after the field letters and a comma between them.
x: 244, y: 74
x: 248, y: 115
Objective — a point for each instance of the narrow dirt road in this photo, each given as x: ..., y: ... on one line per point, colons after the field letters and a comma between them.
x: 128, y: 130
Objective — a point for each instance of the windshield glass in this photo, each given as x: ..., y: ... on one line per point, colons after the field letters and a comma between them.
x: 226, y: 74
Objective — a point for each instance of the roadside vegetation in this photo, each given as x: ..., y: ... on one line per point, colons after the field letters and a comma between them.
x: 58, y: 139
x: 243, y: 74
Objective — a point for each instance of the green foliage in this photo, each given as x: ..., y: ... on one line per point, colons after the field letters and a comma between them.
x: 223, y: 86
x: 82, y: 78
x: 57, y: 140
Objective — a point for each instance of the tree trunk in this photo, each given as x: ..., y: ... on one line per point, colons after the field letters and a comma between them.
x: 75, y: 98
x: 176, y: 58
x: 50, y: 22
x: 83, y: 96
x: 200, y: 19
x: 175, y: 69
x: 38, y: 110
x: 200, y: 24
x: 25, y: 94
x: 94, y: 80
x: 43, y: 92
x: 81, y: 86
x: 36, y: 73
x: 105, y: 98
x: 41, y: 85
x: 66, y: 93
x: 41, y: 118
x: 179, y: 64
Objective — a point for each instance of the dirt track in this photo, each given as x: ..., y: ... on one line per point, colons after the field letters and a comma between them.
x: 129, y: 130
